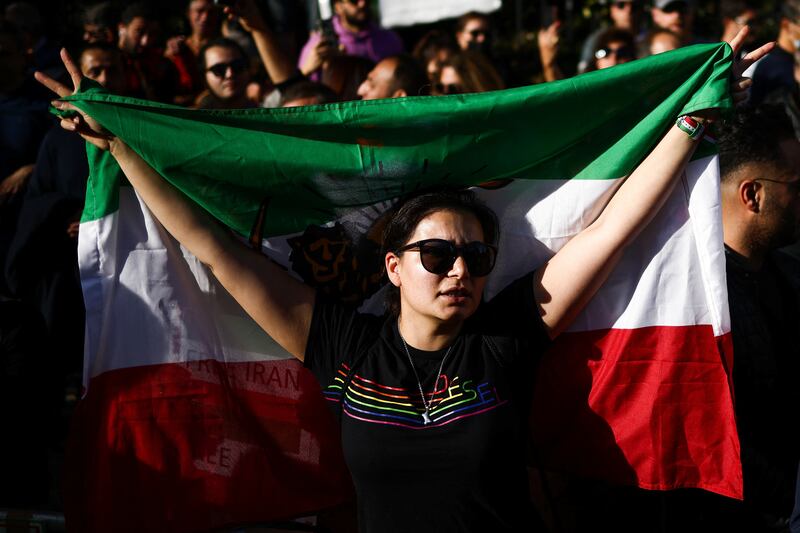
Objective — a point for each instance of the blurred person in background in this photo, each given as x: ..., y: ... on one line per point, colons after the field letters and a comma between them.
x: 472, y: 32
x: 356, y: 34
x: 149, y: 74
x: 225, y: 67
x: 100, y: 23
x: 277, y: 63
x: 660, y: 40
x: 623, y: 15
x: 395, y: 77
x: 614, y: 47
x: 433, y: 49
x: 205, y: 23
x: 41, y: 333
x: 676, y: 16
x: 737, y: 14
x: 102, y: 62
x: 788, y: 96
x: 41, y: 51
x: 776, y: 71
x: 344, y: 74
x: 307, y: 92
x: 24, y: 120
x: 41, y: 268
x: 549, y: 39
x: 466, y: 72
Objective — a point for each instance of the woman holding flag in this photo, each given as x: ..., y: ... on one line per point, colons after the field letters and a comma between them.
x: 445, y: 447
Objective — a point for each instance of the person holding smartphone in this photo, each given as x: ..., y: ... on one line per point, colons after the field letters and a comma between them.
x: 357, y: 34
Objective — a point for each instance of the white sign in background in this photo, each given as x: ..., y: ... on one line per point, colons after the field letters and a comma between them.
x: 409, y: 12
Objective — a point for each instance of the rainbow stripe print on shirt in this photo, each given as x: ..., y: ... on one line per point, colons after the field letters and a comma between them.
x: 369, y: 401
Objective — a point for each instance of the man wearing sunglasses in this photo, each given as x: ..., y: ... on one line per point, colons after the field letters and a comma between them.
x: 674, y: 15
x: 735, y: 15
x: 759, y: 162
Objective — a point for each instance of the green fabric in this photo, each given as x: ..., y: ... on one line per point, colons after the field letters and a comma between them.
x: 313, y: 163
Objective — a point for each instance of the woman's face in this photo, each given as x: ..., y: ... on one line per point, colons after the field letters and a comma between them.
x: 435, y: 64
x: 447, y: 298
x: 226, y: 73
x: 449, y: 82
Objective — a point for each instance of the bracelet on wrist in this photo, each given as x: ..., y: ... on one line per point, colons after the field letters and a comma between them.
x: 693, y: 127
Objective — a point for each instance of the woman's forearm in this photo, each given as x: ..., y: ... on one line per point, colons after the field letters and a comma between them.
x: 643, y: 193
x: 566, y: 283
x: 279, y: 66
x: 279, y: 303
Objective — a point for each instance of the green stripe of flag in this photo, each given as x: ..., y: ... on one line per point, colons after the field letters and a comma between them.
x: 311, y: 164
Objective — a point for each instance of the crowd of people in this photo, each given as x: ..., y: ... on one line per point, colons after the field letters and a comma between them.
x: 245, y: 55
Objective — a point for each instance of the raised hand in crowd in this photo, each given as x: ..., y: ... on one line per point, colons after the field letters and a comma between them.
x: 548, y: 39
x: 248, y: 15
x: 319, y: 56
x: 280, y: 67
x: 282, y: 308
x: 15, y: 183
x: 86, y: 126
x: 174, y: 45
x: 740, y: 85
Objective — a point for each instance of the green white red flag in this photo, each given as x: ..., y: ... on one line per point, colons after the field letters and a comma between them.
x: 203, y: 421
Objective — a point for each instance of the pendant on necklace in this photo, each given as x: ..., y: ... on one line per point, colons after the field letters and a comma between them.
x: 426, y: 418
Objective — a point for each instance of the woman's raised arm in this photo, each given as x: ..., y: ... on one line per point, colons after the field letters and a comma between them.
x: 566, y: 283
x: 280, y: 304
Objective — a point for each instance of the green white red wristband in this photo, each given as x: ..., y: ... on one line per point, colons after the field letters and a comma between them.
x: 691, y: 126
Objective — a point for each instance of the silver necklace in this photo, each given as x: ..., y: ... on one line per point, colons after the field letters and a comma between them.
x: 426, y: 415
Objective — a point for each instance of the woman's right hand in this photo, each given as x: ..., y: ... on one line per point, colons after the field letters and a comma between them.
x: 249, y: 15
x: 86, y: 126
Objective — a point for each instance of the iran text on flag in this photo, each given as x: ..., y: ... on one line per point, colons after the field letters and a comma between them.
x: 193, y: 418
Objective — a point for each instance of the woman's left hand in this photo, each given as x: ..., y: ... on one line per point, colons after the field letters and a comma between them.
x: 740, y: 85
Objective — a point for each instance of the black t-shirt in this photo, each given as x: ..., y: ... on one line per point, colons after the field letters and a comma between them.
x: 465, y: 471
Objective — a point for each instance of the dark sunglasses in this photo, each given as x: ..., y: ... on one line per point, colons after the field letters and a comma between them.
x: 219, y: 70
x: 438, y: 255
x: 450, y: 88
x: 676, y: 7
x: 623, y: 52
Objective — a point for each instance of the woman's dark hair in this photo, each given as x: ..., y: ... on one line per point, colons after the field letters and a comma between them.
x: 405, y: 217
x: 475, y: 70
x: 462, y: 21
x: 428, y: 47
x: 304, y: 88
x: 754, y: 135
